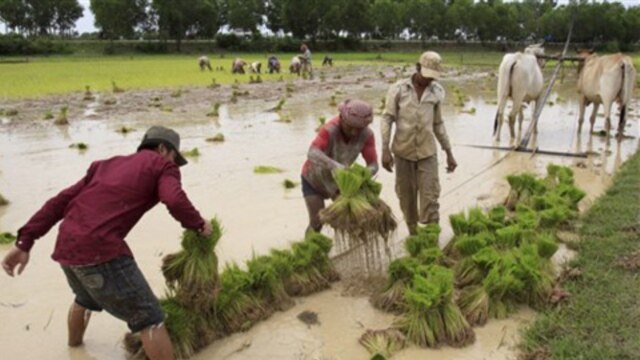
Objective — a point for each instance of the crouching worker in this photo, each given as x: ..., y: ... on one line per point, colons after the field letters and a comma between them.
x: 97, y: 213
x: 337, y: 145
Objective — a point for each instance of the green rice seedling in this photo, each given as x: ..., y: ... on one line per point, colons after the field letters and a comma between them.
x: 234, y: 99
x: 431, y: 256
x: 467, y: 272
x: 180, y: 322
x: 546, y: 245
x: 333, y: 101
x: 459, y: 223
x: 49, y: 115
x: 7, y: 238
x: 11, y: 112
x: 526, y: 217
x: 266, y: 283
x: 425, y: 238
x: 191, y: 153
x: 88, y: 96
x: 80, y: 146
x: 110, y: 101
x: 236, y: 307
x: 266, y: 169
x: 503, y: 287
x: 555, y: 216
x: 309, y: 262
x: 536, y: 273
x: 280, y: 104
x: 467, y: 245
x: 3, y: 201
x: 508, y: 237
x: 125, y: 130
x: 115, y: 88
x: 284, y: 118
x: 289, y: 184
x: 497, y: 217
x: 214, y: 84
x: 321, y: 121
x: 282, y: 261
x: 571, y: 193
x: 478, y: 221
x: 219, y: 137
x: 523, y: 187
x: 62, y: 118
x: 176, y: 93
x: 167, y: 108
x: 383, y: 343
x: 214, y: 111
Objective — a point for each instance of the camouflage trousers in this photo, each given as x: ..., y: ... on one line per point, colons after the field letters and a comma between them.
x: 418, y: 189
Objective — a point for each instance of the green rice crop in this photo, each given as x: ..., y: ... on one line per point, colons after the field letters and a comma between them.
x: 62, y: 118
x: 191, y: 153
x: 7, y: 238
x: 80, y: 146
x: 219, y: 137
x: 265, y: 169
x: 289, y: 184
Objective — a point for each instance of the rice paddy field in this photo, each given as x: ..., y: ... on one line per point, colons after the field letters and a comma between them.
x: 430, y: 296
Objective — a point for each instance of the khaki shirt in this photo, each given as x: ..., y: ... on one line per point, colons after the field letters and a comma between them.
x: 418, y: 122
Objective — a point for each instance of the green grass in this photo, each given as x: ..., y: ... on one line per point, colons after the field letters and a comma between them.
x: 602, y: 318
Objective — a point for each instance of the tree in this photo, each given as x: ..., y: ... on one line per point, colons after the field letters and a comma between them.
x: 67, y: 13
x: 386, y: 18
x: 179, y: 18
x: 245, y: 14
x: 302, y: 17
x: 118, y: 18
x: 426, y: 17
x: 14, y: 14
x: 41, y: 16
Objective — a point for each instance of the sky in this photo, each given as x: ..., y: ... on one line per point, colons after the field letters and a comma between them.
x: 85, y: 23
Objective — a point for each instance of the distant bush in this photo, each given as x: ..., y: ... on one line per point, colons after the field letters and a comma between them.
x: 14, y: 44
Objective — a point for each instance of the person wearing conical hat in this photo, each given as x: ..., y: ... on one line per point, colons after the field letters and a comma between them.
x: 337, y: 146
x: 414, y: 105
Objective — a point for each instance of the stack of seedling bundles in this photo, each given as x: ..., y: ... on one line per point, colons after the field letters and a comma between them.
x: 497, y: 261
x: 358, y: 215
x: 202, y: 306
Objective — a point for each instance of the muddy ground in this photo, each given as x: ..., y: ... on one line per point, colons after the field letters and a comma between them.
x: 256, y: 211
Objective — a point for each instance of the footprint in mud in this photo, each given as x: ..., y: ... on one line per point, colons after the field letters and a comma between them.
x: 309, y: 317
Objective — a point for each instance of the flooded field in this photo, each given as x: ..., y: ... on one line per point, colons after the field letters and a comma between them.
x: 256, y: 211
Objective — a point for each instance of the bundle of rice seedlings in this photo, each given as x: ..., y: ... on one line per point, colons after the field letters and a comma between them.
x: 180, y: 323
x: 508, y: 237
x: 193, y: 272
x: 536, y: 273
x: 267, y: 284
x: 426, y: 237
x: 431, y: 256
x: 236, y: 307
x: 312, y: 270
x: 526, y: 217
x: 458, y: 331
x: 523, y: 187
x: 7, y: 238
x: 503, y: 287
x: 571, y: 193
x: 497, y: 217
x: 459, y: 223
x: 546, y: 245
x: 474, y: 305
x: 478, y: 221
x: 391, y: 297
x: 383, y: 343
x: 265, y: 169
x: 468, y: 245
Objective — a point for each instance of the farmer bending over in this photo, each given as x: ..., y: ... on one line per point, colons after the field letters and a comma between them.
x: 337, y: 145
x: 97, y: 213
x: 238, y: 66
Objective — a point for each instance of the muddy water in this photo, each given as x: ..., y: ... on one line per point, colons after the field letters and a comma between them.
x: 258, y: 213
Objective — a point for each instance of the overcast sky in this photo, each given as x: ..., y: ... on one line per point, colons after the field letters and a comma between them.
x: 85, y: 24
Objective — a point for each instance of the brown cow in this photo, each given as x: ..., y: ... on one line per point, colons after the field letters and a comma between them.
x: 605, y: 80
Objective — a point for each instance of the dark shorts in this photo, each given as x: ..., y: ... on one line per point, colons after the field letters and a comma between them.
x: 309, y: 190
x: 117, y: 287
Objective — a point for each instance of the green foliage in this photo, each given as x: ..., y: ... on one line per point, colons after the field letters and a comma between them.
x: 191, y: 153
x: 289, y: 184
x: 7, y: 238
x: 265, y: 169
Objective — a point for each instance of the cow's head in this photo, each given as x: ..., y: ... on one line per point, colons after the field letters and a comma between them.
x: 584, y: 55
x: 538, y: 51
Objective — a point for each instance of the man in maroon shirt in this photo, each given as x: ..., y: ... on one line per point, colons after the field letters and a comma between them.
x: 97, y: 213
x: 337, y: 145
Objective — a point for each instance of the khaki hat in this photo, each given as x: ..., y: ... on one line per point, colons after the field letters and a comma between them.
x: 430, y: 64
x: 161, y: 135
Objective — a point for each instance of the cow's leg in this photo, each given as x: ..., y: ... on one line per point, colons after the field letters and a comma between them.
x: 533, y: 111
x: 582, y: 104
x: 623, y: 120
x: 594, y: 114
x: 607, y: 117
x: 515, y: 110
x: 520, y: 118
x: 497, y: 125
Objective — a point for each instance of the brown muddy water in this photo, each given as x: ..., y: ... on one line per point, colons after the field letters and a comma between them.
x: 256, y: 211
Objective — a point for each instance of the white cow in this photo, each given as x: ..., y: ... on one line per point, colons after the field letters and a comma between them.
x: 604, y: 80
x: 519, y: 78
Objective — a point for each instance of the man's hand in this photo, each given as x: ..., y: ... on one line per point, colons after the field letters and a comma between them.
x: 451, y: 162
x: 15, y: 257
x: 387, y: 160
x: 206, y: 229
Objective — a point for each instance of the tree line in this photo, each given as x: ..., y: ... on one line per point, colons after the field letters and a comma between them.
x: 483, y: 20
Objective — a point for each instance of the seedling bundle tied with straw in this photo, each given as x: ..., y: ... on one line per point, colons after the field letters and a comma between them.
x: 358, y: 215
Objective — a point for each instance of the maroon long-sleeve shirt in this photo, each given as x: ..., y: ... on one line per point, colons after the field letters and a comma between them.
x: 98, y: 211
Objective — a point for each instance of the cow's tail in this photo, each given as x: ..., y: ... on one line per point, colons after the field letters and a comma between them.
x: 504, y: 87
x: 628, y: 81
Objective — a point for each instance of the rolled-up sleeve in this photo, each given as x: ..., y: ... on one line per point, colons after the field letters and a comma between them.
x: 389, y: 115
x: 171, y: 194
x: 438, y: 128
